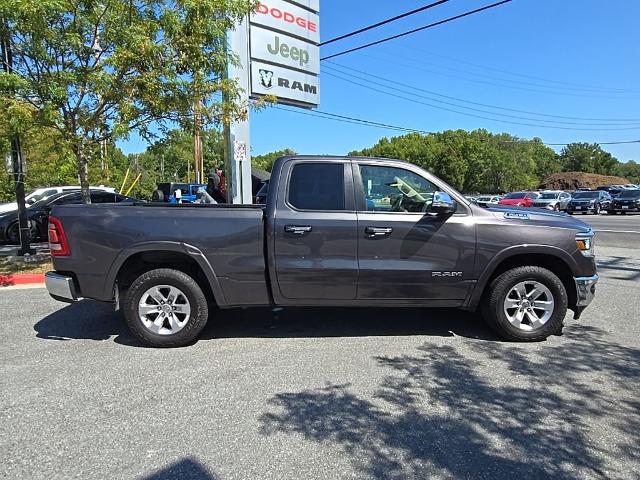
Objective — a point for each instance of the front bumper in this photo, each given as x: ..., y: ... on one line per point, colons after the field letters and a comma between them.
x: 581, y: 208
x: 61, y: 287
x: 586, y: 290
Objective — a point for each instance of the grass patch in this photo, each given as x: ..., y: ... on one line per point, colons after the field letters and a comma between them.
x: 11, y: 265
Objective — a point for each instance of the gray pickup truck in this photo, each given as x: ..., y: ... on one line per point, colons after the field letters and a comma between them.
x: 335, y: 231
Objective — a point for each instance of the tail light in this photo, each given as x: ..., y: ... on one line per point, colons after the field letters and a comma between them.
x: 58, y: 243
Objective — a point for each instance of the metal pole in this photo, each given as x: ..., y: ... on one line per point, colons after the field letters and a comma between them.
x: 236, y: 135
x: 16, y: 152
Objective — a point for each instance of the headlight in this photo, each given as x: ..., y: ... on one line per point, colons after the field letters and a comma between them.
x: 585, y: 243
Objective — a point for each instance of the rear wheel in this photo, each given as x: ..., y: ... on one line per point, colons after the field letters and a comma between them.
x: 157, y: 196
x: 165, y: 308
x: 13, y: 232
x: 526, y: 304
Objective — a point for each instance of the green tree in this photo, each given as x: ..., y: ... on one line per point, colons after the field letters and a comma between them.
x: 96, y: 70
x: 265, y: 161
x: 476, y: 161
x: 588, y: 157
x: 629, y: 170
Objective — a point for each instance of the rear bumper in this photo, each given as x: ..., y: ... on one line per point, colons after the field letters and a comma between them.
x: 61, y: 287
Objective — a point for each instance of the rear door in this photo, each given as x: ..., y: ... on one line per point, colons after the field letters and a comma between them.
x: 406, y: 253
x: 315, y: 244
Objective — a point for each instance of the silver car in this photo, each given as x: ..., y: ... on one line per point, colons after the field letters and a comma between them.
x: 553, y: 200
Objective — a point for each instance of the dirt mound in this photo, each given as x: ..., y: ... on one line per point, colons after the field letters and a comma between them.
x: 575, y: 180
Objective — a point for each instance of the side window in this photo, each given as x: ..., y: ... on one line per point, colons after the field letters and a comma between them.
x: 317, y: 186
x: 102, y: 198
x: 391, y: 189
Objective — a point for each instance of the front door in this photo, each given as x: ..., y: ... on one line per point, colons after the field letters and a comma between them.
x: 315, y: 233
x: 405, y: 251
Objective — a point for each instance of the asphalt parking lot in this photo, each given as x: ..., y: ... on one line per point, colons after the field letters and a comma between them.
x: 325, y: 393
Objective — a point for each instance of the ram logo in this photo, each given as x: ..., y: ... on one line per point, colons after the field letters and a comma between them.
x: 266, y: 78
x: 446, y: 274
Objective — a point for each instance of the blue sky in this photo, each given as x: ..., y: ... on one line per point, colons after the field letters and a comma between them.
x: 560, y: 58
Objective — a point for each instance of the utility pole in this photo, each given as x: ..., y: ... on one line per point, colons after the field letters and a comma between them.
x: 16, y: 151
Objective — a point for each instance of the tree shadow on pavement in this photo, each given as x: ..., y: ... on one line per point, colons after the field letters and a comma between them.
x: 185, y: 469
x: 495, y: 411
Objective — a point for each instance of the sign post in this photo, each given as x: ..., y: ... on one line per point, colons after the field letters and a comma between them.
x: 278, y: 54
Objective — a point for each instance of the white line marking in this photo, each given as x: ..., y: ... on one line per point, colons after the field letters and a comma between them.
x: 617, y: 231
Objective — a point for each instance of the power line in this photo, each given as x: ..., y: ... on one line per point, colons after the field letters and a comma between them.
x: 431, y: 25
x: 365, y: 122
x: 515, y: 74
x: 475, y: 79
x: 353, y: 120
x: 599, y: 143
x: 610, y: 122
x: 384, y: 22
x: 413, y: 100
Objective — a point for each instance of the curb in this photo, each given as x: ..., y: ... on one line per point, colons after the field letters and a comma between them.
x: 8, y: 280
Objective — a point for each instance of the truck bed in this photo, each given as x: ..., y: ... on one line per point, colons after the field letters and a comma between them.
x: 230, y: 238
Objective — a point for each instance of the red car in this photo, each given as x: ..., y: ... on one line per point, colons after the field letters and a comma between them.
x: 519, y: 199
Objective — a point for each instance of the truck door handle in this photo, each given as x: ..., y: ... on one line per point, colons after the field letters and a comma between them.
x: 378, y: 232
x: 297, y: 229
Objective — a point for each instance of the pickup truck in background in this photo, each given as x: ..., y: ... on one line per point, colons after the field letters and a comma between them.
x: 335, y: 231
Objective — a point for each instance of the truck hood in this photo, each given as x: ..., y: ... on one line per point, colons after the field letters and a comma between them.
x: 528, y: 216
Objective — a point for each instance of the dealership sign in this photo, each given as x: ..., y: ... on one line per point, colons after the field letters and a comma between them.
x: 285, y: 57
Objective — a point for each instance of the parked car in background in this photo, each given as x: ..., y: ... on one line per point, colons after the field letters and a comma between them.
x: 613, y: 190
x: 553, y: 200
x: 519, y: 199
x: 38, y: 213
x: 627, y: 201
x: 166, y: 192
x: 593, y: 201
x: 46, y: 192
x: 488, y: 200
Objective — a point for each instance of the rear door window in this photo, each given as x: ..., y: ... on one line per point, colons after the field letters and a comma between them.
x: 317, y: 186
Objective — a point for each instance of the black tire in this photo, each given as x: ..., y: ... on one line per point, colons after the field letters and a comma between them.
x: 570, y: 212
x: 13, y: 232
x: 494, y: 314
x: 556, y: 208
x: 186, y: 284
x: 157, y: 196
x: 623, y: 213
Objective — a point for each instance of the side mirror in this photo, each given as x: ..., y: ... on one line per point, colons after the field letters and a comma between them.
x: 443, y: 204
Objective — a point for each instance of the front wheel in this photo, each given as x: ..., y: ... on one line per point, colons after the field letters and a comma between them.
x: 525, y: 304
x: 165, y: 308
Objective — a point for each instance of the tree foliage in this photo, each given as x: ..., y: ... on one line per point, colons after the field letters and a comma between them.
x: 479, y: 161
x: 587, y: 157
x: 265, y: 162
x: 95, y: 70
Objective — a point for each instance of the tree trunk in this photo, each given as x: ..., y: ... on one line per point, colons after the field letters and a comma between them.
x: 83, y: 172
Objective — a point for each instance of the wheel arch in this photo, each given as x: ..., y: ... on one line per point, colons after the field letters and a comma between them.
x: 140, y: 258
x: 553, y: 259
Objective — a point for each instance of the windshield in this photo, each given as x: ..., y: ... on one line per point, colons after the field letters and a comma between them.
x: 549, y: 196
x: 515, y: 195
x: 586, y: 195
x: 630, y: 194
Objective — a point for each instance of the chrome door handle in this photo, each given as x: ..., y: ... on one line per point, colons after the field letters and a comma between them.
x: 297, y: 229
x: 378, y: 232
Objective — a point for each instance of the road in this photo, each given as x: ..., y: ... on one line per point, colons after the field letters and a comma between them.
x: 323, y: 394
x: 615, y: 230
